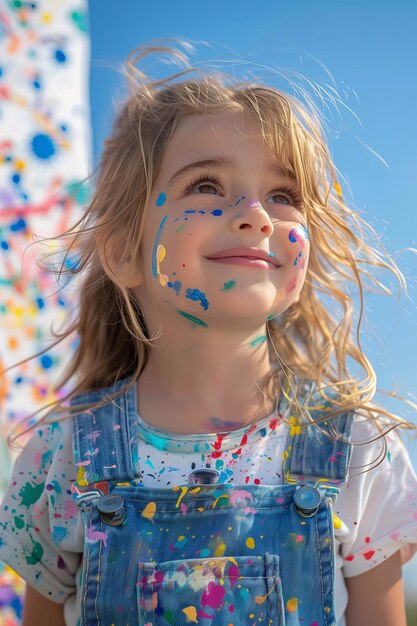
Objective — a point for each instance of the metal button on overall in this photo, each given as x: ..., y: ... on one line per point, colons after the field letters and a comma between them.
x: 111, y: 508
x: 307, y: 501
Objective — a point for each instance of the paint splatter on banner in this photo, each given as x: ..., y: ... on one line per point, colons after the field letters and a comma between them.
x: 44, y: 153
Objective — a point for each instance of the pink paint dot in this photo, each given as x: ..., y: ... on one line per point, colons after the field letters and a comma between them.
x: 117, y: 427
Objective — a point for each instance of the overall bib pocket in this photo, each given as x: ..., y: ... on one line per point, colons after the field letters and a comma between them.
x: 220, y: 591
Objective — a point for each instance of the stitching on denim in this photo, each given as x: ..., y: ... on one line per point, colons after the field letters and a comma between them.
x: 86, y: 571
x: 221, y: 578
x: 259, y: 508
x: 321, y: 569
x: 98, y: 579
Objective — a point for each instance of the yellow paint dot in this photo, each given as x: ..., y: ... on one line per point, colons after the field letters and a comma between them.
x: 19, y: 165
x: 250, y: 542
x: 46, y: 18
x: 337, y: 522
x: 80, y: 477
x: 292, y: 605
x: 251, y: 615
x: 149, y: 511
x: 220, y: 549
x: 191, y: 614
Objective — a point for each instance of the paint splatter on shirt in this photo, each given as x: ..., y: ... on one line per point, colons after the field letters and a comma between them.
x: 42, y: 534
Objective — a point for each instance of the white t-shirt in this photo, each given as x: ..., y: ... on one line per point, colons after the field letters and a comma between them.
x: 42, y: 533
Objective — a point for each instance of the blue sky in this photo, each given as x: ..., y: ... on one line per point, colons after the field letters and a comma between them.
x: 367, y: 52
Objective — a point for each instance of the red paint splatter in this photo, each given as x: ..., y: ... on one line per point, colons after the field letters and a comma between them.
x: 349, y: 558
x: 275, y: 422
x: 367, y: 539
x: 218, y: 443
x: 369, y: 555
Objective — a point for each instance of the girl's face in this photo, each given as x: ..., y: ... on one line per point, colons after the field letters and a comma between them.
x: 220, y: 193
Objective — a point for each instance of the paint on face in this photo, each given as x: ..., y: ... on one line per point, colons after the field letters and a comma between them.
x: 161, y: 199
x: 229, y: 285
x: 160, y: 256
x: 156, y: 245
x: 176, y: 286
x: 258, y: 340
x: 299, y: 233
x: 196, y: 294
x: 298, y: 257
x: 192, y: 318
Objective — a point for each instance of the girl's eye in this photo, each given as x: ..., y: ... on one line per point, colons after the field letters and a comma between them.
x: 203, y: 181
x: 288, y: 196
x: 282, y: 199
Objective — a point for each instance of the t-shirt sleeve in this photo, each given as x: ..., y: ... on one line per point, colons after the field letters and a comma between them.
x: 41, y: 530
x: 378, y: 505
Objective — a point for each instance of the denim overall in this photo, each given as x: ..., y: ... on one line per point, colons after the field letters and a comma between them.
x: 212, y: 555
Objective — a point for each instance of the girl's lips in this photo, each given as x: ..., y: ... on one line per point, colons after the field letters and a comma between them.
x: 247, y: 261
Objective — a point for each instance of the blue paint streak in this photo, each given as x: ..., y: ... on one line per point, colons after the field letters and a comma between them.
x: 196, y: 294
x: 217, y: 212
x: 156, y: 244
x: 161, y: 199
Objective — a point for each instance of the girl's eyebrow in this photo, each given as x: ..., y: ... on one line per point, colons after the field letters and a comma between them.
x: 230, y: 162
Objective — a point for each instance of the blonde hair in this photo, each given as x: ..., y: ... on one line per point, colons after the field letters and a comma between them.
x: 307, y: 342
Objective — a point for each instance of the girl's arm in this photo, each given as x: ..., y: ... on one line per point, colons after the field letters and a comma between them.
x: 376, y: 598
x: 39, y: 610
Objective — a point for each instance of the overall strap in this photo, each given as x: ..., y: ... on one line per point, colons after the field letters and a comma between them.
x: 313, y: 453
x: 104, y: 437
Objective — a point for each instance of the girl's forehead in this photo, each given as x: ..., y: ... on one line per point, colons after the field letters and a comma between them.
x: 231, y: 135
x: 213, y: 126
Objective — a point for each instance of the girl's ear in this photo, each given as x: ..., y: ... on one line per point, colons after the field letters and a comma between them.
x: 128, y: 272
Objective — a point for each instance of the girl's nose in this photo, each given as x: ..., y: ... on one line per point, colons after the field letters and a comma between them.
x: 252, y: 216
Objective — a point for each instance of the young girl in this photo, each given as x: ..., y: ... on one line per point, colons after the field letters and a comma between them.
x: 216, y: 463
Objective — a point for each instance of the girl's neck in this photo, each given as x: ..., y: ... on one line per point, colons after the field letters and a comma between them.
x: 206, y: 394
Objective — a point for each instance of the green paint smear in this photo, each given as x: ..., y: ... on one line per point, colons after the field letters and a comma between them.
x: 259, y: 340
x: 19, y: 523
x: 168, y: 615
x: 228, y: 285
x: 80, y: 19
x: 196, y: 320
x: 36, y: 555
x: 30, y: 493
x: 180, y: 228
